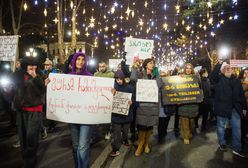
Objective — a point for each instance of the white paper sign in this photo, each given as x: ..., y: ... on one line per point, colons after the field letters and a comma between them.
x: 120, y: 103
x: 140, y: 48
x: 113, y: 63
x: 79, y: 99
x: 239, y: 63
x: 146, y: 91
x: 8, y: 48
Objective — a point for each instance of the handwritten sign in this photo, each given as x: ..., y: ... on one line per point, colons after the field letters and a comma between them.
x: 113, y: 63
x: 182, y: 89
x: 120, y: 103
x: 79, y: 99
x: 8, y: 48
x: 146, y: 91
x: 140, y: 48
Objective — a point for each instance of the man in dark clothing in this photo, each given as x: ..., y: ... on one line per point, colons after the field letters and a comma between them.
x: 229, y: 104
x: 28, y: 102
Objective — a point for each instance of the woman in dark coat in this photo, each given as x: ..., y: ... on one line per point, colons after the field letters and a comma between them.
x: 147, y: 112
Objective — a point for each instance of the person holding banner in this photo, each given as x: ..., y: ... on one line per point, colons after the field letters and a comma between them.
x: 80, y: 133
x: 188, y: 112
x: 147, y: 112
x: 120, y: 122
x: 104, y: 72
x: 29, y: 105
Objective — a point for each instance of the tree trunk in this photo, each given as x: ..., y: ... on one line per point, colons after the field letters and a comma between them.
x: 73, y: 33
x: 1, y: 17
x: 75, y: 8
x: 60, y: 32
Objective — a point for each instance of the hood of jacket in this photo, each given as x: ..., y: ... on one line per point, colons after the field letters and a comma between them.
x: 83, y: 71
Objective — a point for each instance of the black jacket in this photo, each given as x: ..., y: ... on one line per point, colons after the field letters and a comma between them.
x: 29, y: 91
x: 205, y: 84
x: 228, y: 93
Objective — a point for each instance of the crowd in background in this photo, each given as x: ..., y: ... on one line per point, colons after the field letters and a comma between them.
x: 225, y: 100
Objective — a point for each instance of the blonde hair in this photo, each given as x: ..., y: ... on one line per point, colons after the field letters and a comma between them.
x: 191, y: 67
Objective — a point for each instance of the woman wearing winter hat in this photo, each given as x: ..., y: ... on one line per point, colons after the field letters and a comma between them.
x: 147, y: 113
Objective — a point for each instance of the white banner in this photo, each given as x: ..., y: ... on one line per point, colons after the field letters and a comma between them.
x: 239, y: 63
x: 146, y: 91
x: 79, y: 99
x: 113, y: 64
x: 140, y: 48
x: 8, y: 48
x: 120, y: 103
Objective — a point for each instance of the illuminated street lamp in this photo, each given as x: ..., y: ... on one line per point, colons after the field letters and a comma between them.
x: 31, y: 53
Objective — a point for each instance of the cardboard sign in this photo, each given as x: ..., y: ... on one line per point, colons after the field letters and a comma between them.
x: 182, y: 89
x: 8, y: 48
x: 79, y: 99
x: 140, y: 48
x: 146, y: 90
x: 120, y: 103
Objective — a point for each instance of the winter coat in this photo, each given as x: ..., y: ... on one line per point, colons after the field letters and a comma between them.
x: 118, y: 118
x: 29, y: 91
x: 147, y: 113
x: 205, y: 84
x: 228, y: 93
x: 107, y: 74
x: 245, y: 88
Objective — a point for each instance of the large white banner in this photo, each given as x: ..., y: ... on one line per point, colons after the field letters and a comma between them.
x: 146, y: 90
x: 8, y: 48
x: 120, y: 103
x: 239, y: 63
x: 79, y: 99
x: 140, y: 48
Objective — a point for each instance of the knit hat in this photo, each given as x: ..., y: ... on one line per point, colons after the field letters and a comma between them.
x: 119, y: 74
x: 28, y: 61
x: 146, y: 61
x: 48, y: 62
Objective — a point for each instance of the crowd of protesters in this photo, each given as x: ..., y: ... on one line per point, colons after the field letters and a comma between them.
x: 224, y: 92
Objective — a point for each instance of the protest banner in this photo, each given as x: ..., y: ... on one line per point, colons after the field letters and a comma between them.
x: 141, y: 48
x: 113, y: 64
x: 8, y: 48
x: 239, y: 63
x: 182, y: 89
x: 79, y: 99
x: 146, y: 90
x: 120, y: 103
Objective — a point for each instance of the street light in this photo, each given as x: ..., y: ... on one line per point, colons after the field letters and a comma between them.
x: 31, y: 53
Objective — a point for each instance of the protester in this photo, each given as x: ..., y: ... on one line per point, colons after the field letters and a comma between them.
x: 165, y: 113
x: 205, y: 106
x: 120, y: 123
x: 28, y: 102
x: 244, y: 119
x: 48, y: 68
x: 188, y: 112
x: 229, y: 104
x: 104, y: 72
x: 176, y: 71
x: 80, y: 133
x: 147, y: 113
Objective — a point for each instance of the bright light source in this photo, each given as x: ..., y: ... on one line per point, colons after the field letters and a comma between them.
x: 7, y: 66
x: 224, y: 52
x: 4, y: 81
x: 92, y: 62
x: 181, y: 63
